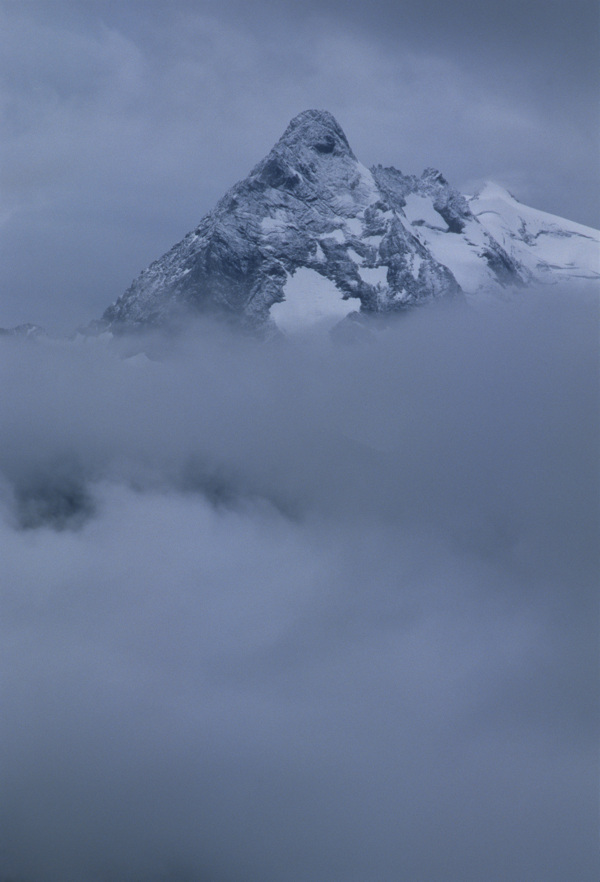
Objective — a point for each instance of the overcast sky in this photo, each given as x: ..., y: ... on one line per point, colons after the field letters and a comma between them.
x: 123, y: 122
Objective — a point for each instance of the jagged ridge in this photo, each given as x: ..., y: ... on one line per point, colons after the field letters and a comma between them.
x: 385, y: 240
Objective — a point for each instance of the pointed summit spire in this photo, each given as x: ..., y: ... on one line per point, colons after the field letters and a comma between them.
x: 317, y: 130
x: 312, y: 158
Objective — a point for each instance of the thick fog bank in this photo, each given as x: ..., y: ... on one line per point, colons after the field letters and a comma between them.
x: 302, y: 612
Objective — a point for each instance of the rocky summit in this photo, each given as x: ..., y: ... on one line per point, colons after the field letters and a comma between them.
x: 312, y: 235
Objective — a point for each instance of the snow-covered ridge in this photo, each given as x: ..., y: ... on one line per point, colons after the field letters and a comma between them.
x: 549, y: 247
x: 311, y: 235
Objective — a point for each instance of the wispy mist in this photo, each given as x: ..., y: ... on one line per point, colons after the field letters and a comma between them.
x: 301, y: 611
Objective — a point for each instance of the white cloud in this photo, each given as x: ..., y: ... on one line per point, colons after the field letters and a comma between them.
x: 328, y: 603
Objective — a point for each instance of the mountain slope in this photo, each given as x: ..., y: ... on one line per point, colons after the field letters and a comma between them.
x: 311, y: 235
x: 549, y: 247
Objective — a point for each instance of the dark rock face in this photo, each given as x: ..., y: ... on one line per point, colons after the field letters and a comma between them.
x: 310, y: 204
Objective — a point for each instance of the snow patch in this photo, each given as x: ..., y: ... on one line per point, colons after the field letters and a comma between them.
x: 274, y: 224
x: 310, y: 299
x: 354, y: 226
x: 369, y: 188
x: 416, y: 264
x: 420, y: 210
x: 376, y: 275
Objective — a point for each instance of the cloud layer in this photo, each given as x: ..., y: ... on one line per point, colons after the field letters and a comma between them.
x: 303, y: 611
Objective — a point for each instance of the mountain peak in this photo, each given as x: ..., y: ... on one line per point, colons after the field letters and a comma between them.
x: 317, y: 130
x: 311, y: 235
x: 492, y: 190
x: 434, y: 175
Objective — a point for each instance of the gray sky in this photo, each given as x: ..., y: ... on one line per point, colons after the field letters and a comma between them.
x: 123, y: 122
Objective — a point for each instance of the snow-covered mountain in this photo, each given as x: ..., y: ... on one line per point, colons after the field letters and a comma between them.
x: 312, y: 235
x: 549, y: 248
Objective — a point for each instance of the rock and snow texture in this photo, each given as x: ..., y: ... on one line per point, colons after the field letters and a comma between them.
x: 549, y: 247
x: 312, y: 235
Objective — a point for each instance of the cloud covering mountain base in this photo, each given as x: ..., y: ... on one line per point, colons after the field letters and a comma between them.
x: 302, y: 611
